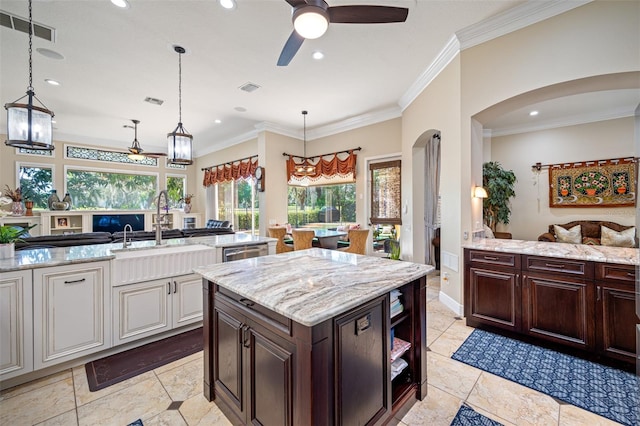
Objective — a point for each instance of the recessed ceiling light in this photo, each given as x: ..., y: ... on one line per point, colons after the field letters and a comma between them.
x: 533, y: 113
x: 51, y: 54
x: 52, y: 82
x: 317, y: 55
x: 228, y: 4
x: 121, y: 3
x: 217, y: 121
x: 240, y: 109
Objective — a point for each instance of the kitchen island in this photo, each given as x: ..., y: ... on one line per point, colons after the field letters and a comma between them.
x: 304, y: 338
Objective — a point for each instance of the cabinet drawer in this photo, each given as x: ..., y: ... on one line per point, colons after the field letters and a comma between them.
x: 259, y: 312
x: 615, y: 273
x: 494, y: 258
x: 576, y: 268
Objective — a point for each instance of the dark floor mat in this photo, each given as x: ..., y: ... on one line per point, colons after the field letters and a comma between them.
x: 124, y: 365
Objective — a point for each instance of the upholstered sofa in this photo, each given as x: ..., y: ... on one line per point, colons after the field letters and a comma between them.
x: 214, y: 227
x: 590, y: 231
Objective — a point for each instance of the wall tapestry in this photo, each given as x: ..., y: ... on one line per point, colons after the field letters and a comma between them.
x: 600, y: 183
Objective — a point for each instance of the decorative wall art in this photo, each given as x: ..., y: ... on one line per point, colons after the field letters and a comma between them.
x: 599, y: 183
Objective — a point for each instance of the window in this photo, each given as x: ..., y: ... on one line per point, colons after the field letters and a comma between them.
x: 91, y: 189
x: 176, y: 188
x: 236, y: 202
x: 36, y: 183
x: 322, y: 205
x: 385, y: 192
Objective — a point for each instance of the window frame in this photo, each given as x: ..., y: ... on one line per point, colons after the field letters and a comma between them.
x: 176, y: 175
x: 29, y: 164
x: 384, y: 164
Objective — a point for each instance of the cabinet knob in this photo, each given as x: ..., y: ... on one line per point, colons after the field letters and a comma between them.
x: 76, y: 281
x: 245, y: 336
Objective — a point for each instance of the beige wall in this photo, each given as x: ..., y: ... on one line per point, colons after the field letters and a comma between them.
x: 531, y: 215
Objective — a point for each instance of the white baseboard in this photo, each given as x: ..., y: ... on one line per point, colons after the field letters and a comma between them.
x: 451, y: 303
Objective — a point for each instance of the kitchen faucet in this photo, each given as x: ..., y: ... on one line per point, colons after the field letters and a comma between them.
x: 124, y: 239
x: 158, y: 224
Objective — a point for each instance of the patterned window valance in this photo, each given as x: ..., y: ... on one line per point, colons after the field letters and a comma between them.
x: 234, y: 170
x: 320, y: 171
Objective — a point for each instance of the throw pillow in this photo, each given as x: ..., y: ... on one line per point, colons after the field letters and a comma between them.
x: 626, y: 238
x: 571, y: 236
x: 488, y: 233
x: 590, y: 241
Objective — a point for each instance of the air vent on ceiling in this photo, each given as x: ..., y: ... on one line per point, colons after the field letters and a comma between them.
x: 249, y: 87
x: 20, y: 24
x: 154, y: 101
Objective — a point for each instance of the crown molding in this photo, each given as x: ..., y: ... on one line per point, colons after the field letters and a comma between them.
x: 514, y: 19
x: 244, y: 137
x: 565, y: 122
x: 352, y: 123
x: 267, y: 126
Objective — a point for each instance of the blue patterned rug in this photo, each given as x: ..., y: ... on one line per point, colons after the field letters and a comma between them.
x: 606, y: 391
x: 467, y: 416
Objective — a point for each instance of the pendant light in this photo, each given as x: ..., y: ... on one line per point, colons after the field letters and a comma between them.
x: 29, y: 126
x: 305, y: 168
x: 180, y: 143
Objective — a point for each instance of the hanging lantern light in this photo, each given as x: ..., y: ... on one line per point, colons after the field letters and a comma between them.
x: 305, y: 168
x: 29, y: 126
x: 180, y: 142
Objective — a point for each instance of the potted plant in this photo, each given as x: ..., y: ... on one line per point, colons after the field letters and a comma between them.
x: 9, y: 235
x: 499, y: 185
x: 17, y: 208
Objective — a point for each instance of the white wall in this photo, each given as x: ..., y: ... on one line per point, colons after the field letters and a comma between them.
x: 531, y: 215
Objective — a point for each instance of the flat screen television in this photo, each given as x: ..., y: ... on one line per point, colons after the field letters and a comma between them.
x: 116, y: 222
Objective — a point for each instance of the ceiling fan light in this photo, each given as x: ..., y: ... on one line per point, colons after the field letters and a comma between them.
x: 310, y: 22
x: 135, y: 157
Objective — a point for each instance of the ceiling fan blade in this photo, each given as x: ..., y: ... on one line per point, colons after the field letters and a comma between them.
x: 295, y: 3
x: 290, y: 49
x: 367, y: 14
x: 154, y: 154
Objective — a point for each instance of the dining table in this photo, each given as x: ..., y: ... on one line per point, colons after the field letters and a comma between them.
x: 329, y: 238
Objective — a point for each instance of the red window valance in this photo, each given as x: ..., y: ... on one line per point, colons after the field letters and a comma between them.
x: 323, y: 171
x: 229, y: 171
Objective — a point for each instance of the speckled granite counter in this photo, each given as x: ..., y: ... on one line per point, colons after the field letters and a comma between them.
x: 625, y: 256
x: 45, y: 257
x: 311, y: 286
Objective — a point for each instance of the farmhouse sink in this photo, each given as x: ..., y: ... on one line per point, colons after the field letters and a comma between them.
x: 138, y: 264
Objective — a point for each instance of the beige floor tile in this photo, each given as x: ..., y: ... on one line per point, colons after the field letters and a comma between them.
x: 438, y: 408
x: 197, y: 410
x: 432, y: 335
x: 178, y: 363
x: 438, y: 320
x: 451, y: 376
x: 571, y: 415
x: 438, y: 306
x: 38, y: 405
x: 513, y: 402
x: 85, y: 396
x: 35, y: 384
x: 70, y: 418
x: 451, y: 339
x: 140, y: 401
x: 183, y: 382
x: 432, y: 293
x: 166, y: 418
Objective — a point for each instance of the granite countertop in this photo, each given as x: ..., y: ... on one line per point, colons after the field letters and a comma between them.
x: 46, y: 257
x: 605, y: 254
x: 311, y: 286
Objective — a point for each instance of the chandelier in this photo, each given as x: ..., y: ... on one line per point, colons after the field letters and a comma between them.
x: 180, y: 142
x: 29, y: 126
x: 305, y: 168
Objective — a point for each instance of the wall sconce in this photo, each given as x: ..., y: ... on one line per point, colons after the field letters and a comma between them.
x: 479, y: 192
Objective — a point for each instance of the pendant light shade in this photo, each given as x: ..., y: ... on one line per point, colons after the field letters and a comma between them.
x: 305, y: 168
x: 180, y: 142
x: 29, y: 126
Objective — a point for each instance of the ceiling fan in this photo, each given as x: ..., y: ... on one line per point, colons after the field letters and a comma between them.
x: 135, y: 150
x: 311, y: 19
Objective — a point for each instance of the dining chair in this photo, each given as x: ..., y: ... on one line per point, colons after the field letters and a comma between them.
x: 357, y: 241
x: 279, y: 232
x: 303, y: 238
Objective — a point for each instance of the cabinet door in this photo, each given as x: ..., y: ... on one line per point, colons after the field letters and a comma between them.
x: 493, y: 298
x: 616, y: 321
x: 270, y: 376
x: 559, y: 309
x: 71, y: 312
x: 16, y: 324
x: 187, y: 300
x: 141, y: 310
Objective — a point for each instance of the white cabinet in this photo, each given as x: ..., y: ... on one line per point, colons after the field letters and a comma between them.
x: 16, y: 326
x: 71, y: 312
x: 64, y: 222
x: 152, y: 307
x: 23, y: 221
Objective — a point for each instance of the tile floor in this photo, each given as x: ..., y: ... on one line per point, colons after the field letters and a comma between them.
x: 172, y: 395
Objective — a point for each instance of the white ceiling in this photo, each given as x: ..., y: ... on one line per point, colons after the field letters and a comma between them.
x: 115, y: 58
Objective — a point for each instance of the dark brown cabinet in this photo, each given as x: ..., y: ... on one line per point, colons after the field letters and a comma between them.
x: 580, y: 304
x: 263, y: 368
